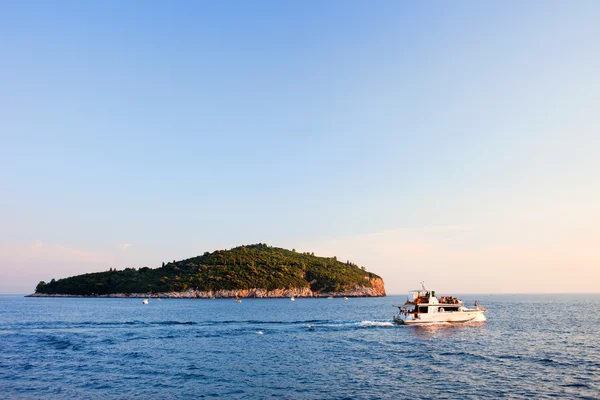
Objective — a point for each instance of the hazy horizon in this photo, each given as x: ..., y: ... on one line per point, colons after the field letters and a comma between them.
x: 455, y: 144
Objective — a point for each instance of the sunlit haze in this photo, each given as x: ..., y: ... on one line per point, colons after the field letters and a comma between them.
x: 452, y: 143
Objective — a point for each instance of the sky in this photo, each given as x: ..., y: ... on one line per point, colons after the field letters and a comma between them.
x: 456, y: 143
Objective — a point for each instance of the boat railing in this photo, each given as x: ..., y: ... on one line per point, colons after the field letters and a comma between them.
x: 403, y: 310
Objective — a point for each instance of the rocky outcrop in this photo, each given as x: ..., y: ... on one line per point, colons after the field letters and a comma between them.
x: 376, y: 290
x: 378, y: 285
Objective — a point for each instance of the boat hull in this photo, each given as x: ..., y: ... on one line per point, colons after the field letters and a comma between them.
x: 450, y: 317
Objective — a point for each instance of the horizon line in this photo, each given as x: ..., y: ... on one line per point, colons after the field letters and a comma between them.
x: 387, y: 295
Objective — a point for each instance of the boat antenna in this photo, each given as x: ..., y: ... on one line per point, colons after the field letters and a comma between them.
x: 423, y: 285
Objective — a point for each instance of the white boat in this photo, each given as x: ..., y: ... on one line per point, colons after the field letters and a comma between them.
x: 238, y: 300
x: 423, y: 307
x: 292, y: 298
x: 329, y: 297
x: 145, y: 301
x: 345, y: 298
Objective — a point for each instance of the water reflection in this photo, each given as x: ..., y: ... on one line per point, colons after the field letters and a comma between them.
x: 445, y: 329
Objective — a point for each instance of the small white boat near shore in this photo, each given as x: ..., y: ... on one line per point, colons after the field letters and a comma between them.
x: 423, y: 307
x: 145, y: 301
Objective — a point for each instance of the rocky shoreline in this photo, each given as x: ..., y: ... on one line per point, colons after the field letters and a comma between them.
x: 376, y: 290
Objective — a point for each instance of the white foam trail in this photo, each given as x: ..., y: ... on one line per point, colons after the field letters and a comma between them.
x: 479, y: 318
x: 376, y: 323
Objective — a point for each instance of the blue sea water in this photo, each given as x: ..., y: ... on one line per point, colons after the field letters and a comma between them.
x: 532, y: 346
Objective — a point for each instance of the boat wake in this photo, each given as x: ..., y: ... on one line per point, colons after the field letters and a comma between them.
x: 376, y: 323
x: 479, y: 318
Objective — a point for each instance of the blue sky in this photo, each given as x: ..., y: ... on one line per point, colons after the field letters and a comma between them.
x: 414, y: 139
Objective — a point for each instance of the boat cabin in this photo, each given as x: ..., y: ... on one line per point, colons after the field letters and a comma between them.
x: 425, y: 302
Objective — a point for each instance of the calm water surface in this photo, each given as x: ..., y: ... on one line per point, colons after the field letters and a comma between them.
x: 532, y: 346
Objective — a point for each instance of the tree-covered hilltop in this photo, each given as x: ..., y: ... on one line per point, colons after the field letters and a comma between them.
x: 241, y: 268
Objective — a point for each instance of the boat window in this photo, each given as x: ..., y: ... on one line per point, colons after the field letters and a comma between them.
x: 423, y: 309
x: 448, y: 308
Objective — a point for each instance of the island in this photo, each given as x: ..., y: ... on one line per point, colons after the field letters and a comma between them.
x: 256, y: 270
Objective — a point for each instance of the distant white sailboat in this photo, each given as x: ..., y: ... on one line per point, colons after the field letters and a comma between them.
x: 292, y: 298
x: 145, y: 301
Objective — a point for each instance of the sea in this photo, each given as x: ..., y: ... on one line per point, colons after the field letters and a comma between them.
x: 532, y: 346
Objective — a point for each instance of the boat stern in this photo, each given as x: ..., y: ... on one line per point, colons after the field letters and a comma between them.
x: 402, y: 318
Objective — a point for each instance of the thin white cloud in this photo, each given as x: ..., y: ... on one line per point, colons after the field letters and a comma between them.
x: 47, y: 252
x: 125, y: 246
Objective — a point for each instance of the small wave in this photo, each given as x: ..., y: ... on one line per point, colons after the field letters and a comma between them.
x: 229, y: 333
x: 376, y: 323
x: 265, y: 322
x: 547, y: 361
x: 575, y: 385
x: 190, y: 376
x: 57, y: 343
x: 135, y: 354
x: 462, y: 354
x: 509, y: 357
x: 169, y: 337
x: 148, y: 323
x: 27, y: 366
x: 117, y: 323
